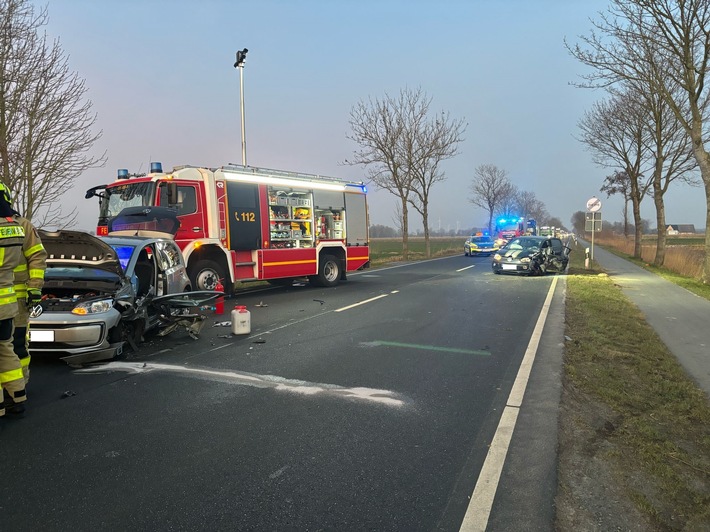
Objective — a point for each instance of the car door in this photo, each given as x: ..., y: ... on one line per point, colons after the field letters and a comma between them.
x: 172, y: 269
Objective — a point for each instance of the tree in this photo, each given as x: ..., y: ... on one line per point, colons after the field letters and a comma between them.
x: 616, y: 132
x: 663, y: 45
x: 491, y: 189
x: 402, y: 148
x: 578, y: 221
x: 529, y: 206
x: 428, y: 143
x: 45, y: 121
x: 619, y: 183
x: 378, y: 128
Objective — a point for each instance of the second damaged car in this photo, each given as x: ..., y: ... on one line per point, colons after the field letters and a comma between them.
x: 101, y: 293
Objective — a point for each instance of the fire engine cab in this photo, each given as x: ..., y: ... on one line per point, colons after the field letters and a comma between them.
x: 240, y: 223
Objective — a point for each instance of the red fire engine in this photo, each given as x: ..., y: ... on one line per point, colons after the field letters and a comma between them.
x: 240, y: 223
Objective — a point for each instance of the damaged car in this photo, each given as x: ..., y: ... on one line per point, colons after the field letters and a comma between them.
x: 103, y: 293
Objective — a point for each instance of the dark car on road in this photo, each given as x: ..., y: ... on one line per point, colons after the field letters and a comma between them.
x: 531, y: 255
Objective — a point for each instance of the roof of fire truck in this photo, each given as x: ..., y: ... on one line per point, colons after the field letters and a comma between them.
x: 254, y: 174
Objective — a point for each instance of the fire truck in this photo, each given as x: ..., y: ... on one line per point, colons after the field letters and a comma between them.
x: 241, y: 223
x: 508, y: 227
x: 511, y: 226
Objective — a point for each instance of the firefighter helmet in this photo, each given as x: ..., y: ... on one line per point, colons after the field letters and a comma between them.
x: 5, y: 192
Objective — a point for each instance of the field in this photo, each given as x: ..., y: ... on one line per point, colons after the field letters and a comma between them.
x: 384, y: 250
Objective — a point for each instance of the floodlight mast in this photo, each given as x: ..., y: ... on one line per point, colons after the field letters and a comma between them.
x: 241, y: 59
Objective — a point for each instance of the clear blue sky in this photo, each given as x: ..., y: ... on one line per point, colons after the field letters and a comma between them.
x: 161, y: 79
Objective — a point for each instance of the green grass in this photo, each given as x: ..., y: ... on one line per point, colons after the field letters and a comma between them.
x: 658, y: 437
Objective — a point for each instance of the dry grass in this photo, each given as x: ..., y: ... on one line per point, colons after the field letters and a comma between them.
x: 685, y: 259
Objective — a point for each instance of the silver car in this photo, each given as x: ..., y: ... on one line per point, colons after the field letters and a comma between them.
x: 101, y: 293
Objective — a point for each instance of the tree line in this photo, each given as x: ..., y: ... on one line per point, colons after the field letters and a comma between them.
x: 651, y: 59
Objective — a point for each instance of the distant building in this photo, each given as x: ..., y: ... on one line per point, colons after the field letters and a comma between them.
x: 680, y: 229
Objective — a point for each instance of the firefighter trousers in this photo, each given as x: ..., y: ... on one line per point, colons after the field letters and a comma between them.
x: 11, y: 376
x: 20, y: 338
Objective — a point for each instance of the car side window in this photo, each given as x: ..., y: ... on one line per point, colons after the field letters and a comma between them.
x: 557, y: 246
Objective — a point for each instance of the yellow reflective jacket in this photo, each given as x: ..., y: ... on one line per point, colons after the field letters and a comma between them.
x: 30, y: 272
x: 12, y: 237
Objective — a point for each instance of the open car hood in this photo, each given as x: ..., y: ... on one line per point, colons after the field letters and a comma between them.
x: 79, y: 249
x: 144, y: 221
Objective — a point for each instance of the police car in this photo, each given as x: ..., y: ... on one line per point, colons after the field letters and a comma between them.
x: 479, y: 244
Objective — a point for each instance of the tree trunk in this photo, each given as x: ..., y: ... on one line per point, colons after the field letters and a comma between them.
x: 660, y: 223
x: 636, y: 206
x: 425, y: 220
x: 703, y: 159
x: 405, y: 230
x: 626, y: 218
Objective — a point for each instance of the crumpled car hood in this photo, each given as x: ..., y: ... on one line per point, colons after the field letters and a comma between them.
x: 77, y: 248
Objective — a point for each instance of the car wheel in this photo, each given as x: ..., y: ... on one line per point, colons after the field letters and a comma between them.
x: 328, y: 272
x: 205, y: 275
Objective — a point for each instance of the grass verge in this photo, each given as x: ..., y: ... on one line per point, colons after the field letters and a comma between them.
x: 632, y: 412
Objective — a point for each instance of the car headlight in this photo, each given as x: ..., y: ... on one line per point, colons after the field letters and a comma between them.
x: 525, y: 259
x: 93, y: 307
x: 497, y: 256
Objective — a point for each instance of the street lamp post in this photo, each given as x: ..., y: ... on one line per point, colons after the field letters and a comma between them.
x: 241, y: 58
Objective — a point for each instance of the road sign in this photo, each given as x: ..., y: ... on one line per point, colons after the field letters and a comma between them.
x: 594, y: 204
x: 593, y: 222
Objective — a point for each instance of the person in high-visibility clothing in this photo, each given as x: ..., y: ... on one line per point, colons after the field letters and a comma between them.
x: 29, y: 279
x: 12, y: 237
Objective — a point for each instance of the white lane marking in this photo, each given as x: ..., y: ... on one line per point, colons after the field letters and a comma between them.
x: 479, y: 508
x: 361, y: 303
x: 274, y: 382
x: 466, y: 268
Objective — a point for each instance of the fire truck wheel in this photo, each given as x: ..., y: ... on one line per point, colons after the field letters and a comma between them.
x: 205, y: 275
x: 328, y: 272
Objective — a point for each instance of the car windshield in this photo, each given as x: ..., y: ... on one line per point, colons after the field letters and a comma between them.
x: 523, y: 243
x: 481, y: 240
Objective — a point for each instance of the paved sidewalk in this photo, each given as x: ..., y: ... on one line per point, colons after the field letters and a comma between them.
x: 680, y: 318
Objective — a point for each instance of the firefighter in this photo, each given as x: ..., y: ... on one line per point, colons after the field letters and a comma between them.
x: 12, y: 237
x: 29, y: 279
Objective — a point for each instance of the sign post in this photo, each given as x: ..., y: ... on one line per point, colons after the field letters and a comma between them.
x: 593, y: 219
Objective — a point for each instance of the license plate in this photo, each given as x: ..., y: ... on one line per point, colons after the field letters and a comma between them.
x: 509, y: 266
x: 41, y: 336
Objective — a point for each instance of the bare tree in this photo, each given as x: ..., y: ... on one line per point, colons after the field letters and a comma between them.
x: 490, y: 188
x: 378, y: 127
x: 654, y: 43
x: 616, y: 132
x: 428, y: 142
x: 403, y: 147
x: 45, y: 120
x: 529, y: 206
x: 619, y: 183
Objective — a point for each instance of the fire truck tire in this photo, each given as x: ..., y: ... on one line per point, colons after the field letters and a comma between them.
x: 328, y: 272
x: 205, y: 275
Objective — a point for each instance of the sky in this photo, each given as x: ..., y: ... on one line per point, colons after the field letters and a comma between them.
x: 161, y: 79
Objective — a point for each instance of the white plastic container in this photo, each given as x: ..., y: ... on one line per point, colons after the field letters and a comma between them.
x: 241, y: 320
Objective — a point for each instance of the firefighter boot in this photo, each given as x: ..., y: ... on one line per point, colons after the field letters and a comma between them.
x: 12, y: 409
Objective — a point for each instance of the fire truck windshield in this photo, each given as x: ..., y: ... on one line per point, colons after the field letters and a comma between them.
x: 127, y: 195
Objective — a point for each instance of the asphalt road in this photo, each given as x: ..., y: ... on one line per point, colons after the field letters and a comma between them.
x: 370, y: 406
